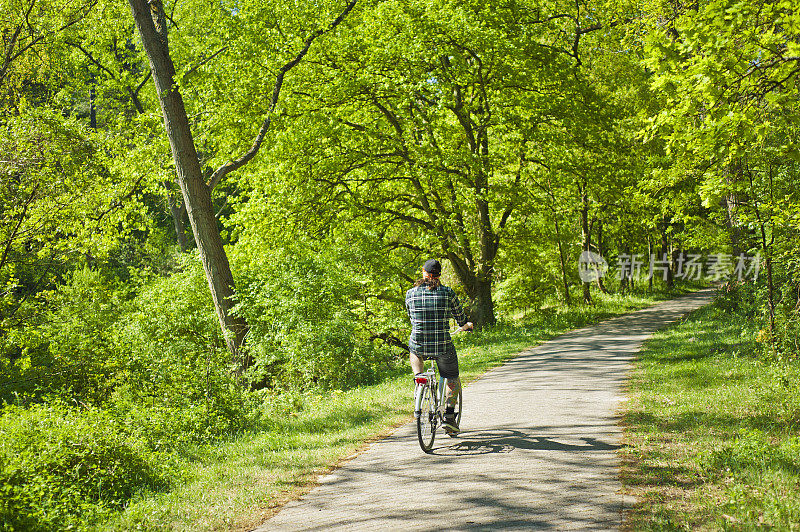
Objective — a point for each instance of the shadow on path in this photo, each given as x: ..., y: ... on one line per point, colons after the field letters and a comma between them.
x: 506, y: 441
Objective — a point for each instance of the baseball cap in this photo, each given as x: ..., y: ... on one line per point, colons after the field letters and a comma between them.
x: 433, y: 267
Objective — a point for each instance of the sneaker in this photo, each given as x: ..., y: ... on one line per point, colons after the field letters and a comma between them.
x: 450, y: 426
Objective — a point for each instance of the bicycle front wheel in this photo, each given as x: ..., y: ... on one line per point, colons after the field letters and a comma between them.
x: 426, y: 420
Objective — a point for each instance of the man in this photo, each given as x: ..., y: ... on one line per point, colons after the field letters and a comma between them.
x: 430, y: 306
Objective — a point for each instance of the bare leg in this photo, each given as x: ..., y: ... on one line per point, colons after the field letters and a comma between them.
x: 417, y: 364
x: 453, y: 385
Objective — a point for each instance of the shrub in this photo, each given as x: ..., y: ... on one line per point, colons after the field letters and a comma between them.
x: 72, y: 350
x: 176, y: 383
x: 751, y: 301
x: 61, y: 467
x: 306, y: 323
x: 743, y: 297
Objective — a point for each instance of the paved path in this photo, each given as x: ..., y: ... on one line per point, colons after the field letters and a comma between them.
x: 538, y: 448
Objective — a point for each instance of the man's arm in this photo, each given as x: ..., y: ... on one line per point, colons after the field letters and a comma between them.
x: 457, y: 312
x: 466, y: 327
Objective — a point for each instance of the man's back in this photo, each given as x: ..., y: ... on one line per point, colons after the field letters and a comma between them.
x: 430, y: 312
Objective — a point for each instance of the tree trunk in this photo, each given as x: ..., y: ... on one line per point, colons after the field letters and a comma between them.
x: 650, y: 256
x: 483, y: 309
x: 766, y: 249
x: 665, y: 254
x: 601, y: 251
x: 626, y: 283
x: 151, y: 23
x: 479, y: 289
x: 490, y: 241
x: 475, y: 275
x: 177, y: 212
x: 586, y: 236
x: 730, y: 203
x: 92, y: 107
x: 562, y: 261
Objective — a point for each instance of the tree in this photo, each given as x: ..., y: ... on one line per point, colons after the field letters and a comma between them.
x: 60, y: 204
x: 152, y: 24
x: 28, y: 25
x: 728, y: 72
x: 423, y: 117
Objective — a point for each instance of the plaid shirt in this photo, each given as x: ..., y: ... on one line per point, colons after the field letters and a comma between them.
x: 430, y: 312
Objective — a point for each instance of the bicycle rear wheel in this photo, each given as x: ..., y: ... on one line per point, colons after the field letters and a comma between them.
x: 426, y: 421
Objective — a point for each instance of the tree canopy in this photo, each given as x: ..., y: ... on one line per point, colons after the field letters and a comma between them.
x: 204, y: 201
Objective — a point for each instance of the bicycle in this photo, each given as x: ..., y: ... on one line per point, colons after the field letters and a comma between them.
x: 430, y: 403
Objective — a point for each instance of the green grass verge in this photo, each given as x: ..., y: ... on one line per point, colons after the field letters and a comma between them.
x: 235, y: 485
x: 712, y: 430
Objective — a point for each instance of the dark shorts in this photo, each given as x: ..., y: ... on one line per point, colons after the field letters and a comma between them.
x: 447, y: 363
x: 448, y: 366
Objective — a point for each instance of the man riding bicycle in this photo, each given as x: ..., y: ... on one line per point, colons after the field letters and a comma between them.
x: 430, y: 306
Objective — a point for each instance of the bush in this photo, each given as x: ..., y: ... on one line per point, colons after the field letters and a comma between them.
x: 62, y: 468
x: 155, y: 374
x: 751, y: 300
x: 305, y: 314
x: 72, y: 350
x: 175, y: 383
x: 743, y: 297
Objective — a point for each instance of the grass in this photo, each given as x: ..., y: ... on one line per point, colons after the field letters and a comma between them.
x: 712, y: 430
x: 237, y: 485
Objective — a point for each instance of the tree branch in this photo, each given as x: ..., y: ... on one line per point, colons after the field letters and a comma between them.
x: 120, y: 201
x: 234, y: 165
x: 11, y: 56
x: 16, y: 228
x: 91, y: 58
x: 204, y: 61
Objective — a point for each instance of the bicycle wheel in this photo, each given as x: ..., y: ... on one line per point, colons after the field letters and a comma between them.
x: 426, y: 421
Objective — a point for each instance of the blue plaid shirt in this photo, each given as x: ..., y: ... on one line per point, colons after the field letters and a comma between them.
x: 430, y: 312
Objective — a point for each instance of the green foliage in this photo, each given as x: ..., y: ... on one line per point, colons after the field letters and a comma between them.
x: 146, y: 356
x: 174, y: 375
x: 750, y: 300
x: 152, y: 376
x: 485, y: 134
x: 743, y: 298
x: 307, y: 322
x: 72, y: 349
x: 58, y: 194
x: 62, y: 207
x: 63, y: 467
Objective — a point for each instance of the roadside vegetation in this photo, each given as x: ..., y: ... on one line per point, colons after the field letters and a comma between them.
x: 210, y: 212
x: 713, y: 429
x: 225, y: 458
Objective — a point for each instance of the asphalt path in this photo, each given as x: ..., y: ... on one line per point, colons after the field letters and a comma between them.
x: 538, y: 451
